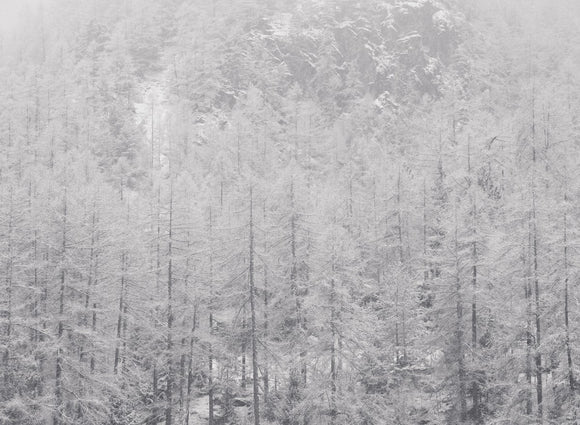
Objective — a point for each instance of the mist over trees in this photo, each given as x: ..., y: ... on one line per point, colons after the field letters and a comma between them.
x: 289, y: 212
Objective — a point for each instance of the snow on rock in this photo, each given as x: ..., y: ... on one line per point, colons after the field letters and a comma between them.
x: 152, y: 112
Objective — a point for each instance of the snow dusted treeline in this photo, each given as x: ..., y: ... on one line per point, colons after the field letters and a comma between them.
x: 289, y: 212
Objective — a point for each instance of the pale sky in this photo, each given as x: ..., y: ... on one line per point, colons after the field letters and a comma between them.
x: 10, y: 13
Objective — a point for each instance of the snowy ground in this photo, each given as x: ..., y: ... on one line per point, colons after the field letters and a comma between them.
x: 199, y: 411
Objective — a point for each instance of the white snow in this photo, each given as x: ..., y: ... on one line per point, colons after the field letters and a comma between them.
x: 199, y: 411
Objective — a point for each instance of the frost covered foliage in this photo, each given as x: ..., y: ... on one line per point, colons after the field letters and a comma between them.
x: 304, y: 212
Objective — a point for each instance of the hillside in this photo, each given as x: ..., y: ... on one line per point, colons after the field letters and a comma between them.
x: 300, y: 212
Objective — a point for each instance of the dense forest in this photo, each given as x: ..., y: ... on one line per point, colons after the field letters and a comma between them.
x: 293, y: 212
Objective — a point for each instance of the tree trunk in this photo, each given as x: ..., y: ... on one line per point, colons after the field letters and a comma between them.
x: 244, y: 349
x: 255, y: 377
x: 169, y: 389
x: 459, y: 333
x: 190, y: 366
x: 94, y: 306
x: 210, y: 307
x: 475, y: 389
x: 333, y: 360
x: 89, y: 281
x: 120, y: 313
x: 61, y: 308
x: 566, y: 300
x: 9, y: 290
x: 300, y: 323
x: 265, y: 375
x: 538, y: 354
x: 401, y: 319
x: 529, y: 334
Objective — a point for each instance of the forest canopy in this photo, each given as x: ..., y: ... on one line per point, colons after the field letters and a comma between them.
x: 300, y: 212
